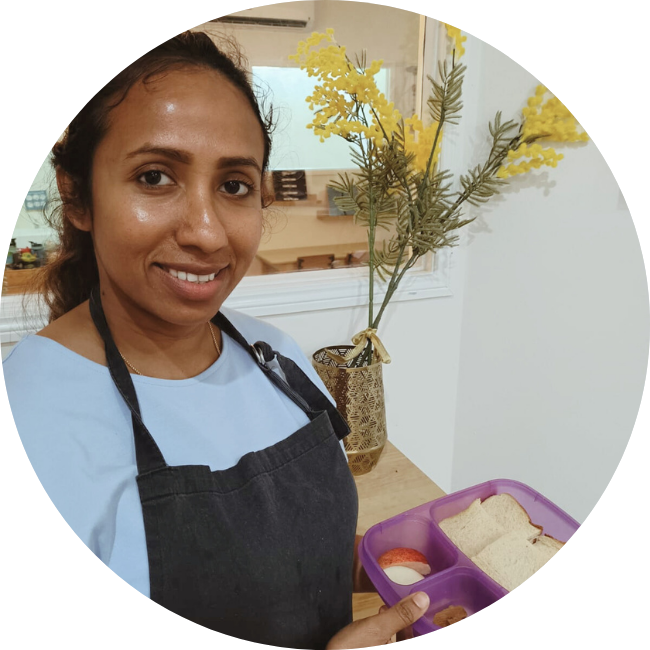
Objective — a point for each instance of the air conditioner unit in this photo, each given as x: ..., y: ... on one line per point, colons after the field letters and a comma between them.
x: 296, y: 15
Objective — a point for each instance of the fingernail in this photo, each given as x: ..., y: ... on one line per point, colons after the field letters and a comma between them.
x: 421, y: 600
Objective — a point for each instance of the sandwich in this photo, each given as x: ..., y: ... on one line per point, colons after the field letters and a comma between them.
x: 499, y: 537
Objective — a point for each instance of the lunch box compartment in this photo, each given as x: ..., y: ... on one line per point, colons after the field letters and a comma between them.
x: 413, y: 532
x: 463, y: 586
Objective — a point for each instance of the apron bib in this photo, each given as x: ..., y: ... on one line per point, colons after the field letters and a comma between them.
x: 262, y: 551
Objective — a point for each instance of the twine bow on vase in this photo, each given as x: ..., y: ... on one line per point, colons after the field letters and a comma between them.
x: 361, y: 340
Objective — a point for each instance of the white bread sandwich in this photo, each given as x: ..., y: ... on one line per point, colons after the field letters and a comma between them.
x: 499, y: 537
x: 547, y: 546
x: 507, y: 512
x: 472, y: 529
x: 509, y: 560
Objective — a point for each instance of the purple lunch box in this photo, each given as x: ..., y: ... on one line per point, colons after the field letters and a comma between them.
x: 454, y: 578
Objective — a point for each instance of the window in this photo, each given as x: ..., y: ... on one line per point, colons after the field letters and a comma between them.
x: 295, y: 146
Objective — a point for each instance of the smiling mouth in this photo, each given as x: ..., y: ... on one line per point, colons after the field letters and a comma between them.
x: 189, y: 277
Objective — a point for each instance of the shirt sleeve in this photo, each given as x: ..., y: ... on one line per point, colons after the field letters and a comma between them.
x: 80, y: 461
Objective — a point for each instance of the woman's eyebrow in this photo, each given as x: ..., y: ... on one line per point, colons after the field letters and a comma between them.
x: 240, y: 161
x: 186, y: 157
x: 167, y: 152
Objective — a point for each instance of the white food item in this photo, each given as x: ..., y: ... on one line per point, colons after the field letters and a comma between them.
x: 546, y: 547
x: 509, y: 560
x: 472, y: 529
x: 507, y: 512
x: 498, y: 536
x: 403, y: 575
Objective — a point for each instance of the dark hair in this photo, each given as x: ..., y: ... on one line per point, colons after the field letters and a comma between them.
x: 66, y: 281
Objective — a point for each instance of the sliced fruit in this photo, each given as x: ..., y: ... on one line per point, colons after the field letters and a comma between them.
x: 403, y: 575
x: 406, y: 557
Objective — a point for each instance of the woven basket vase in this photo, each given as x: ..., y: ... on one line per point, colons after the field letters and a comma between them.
x: 359, y: 396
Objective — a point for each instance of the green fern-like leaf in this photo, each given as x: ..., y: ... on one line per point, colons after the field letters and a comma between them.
x: 445, y: 102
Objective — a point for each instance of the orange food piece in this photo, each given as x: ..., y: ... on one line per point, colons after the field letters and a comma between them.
x: 449, y: 616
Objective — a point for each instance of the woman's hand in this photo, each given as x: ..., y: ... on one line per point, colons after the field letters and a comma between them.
x: 379, y: 629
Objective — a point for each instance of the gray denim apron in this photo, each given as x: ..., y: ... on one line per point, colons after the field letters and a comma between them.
x: 261, y: 551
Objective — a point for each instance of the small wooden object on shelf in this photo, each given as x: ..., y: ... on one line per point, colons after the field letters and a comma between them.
x: 289, y: 185
x: 311, y: 262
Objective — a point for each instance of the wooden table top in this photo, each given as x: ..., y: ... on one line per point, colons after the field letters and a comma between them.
x: 394, y: 486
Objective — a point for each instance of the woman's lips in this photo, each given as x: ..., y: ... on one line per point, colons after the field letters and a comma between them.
x: 195, y: 268
x: 189, y: 277
x: 192, y: 286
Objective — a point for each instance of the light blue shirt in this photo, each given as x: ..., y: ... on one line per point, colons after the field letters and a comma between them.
x: 77, y: 430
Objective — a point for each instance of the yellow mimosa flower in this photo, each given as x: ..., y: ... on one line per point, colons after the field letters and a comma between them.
x: 458, y: 39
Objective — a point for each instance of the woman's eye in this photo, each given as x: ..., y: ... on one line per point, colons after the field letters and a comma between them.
x: 236, y: 188
x: 155, y: 177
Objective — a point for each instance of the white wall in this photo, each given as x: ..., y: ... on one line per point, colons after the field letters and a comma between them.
x: 555, y: 322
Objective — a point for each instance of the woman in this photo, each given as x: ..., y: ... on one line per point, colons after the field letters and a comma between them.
x: 205, y: 471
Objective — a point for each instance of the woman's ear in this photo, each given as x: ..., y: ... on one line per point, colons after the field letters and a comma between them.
x: 79, y: 217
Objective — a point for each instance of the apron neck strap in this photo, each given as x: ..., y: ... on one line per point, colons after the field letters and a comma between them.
x: 297, y: 387
x: 228, y: 328
x: 148, y: 455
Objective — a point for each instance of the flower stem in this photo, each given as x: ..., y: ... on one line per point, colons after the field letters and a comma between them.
x: 365, y: 356
x: 392, y: 287
x: 372, y: 225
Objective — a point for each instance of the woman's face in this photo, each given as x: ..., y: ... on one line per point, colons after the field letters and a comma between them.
x: 177, y: 202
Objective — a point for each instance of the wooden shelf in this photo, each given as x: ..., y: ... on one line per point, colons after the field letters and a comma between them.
x: 17, y: 280
x: 324, y: 215
x: 280, y: 256
x: 310, y: 202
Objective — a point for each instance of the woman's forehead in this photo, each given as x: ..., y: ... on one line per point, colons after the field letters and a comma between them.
x: 184, y: 97
x: 191, y: 108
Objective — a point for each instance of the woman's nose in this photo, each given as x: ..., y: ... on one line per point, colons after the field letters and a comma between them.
x: 202, y: 222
